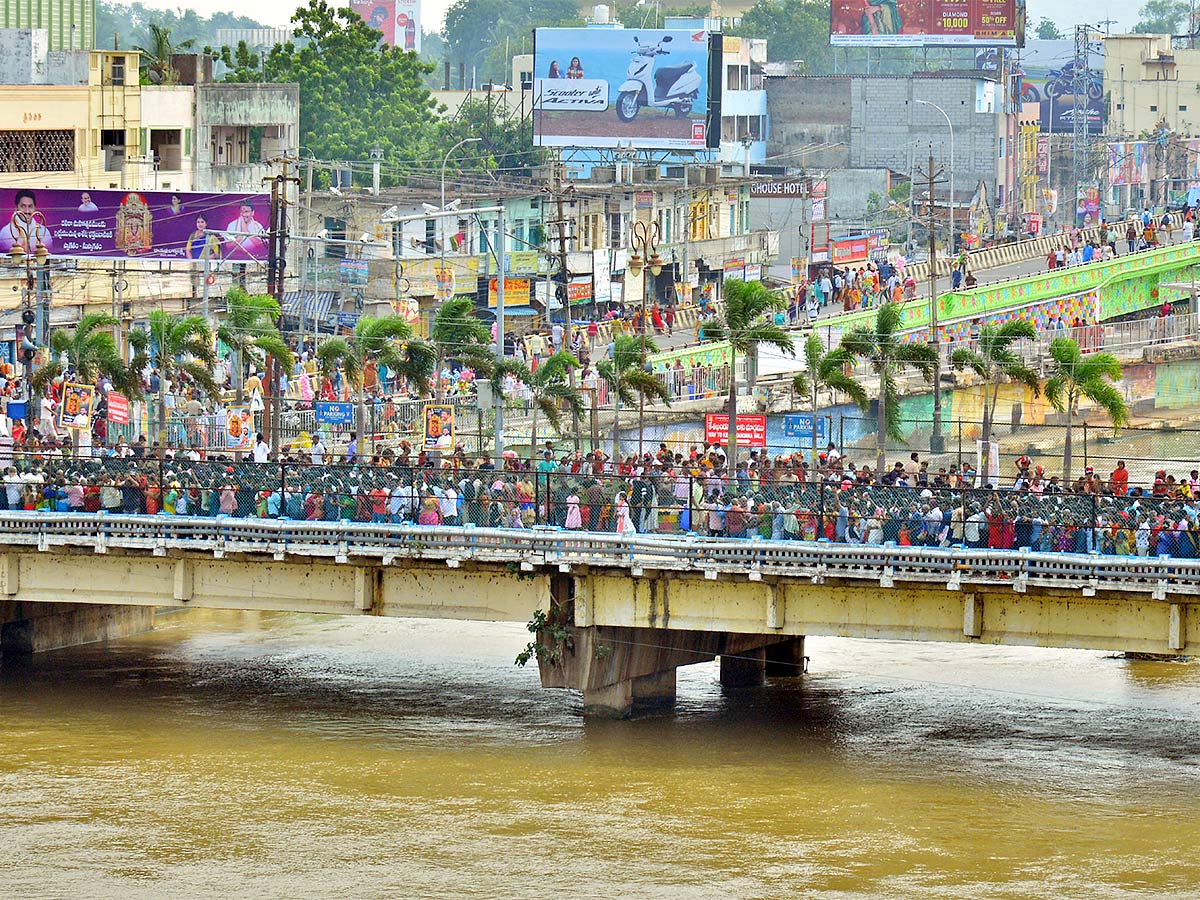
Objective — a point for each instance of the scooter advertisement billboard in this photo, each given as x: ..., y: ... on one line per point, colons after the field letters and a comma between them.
x: 626, y: 87
x: 162, y: 225
x: 927, y: 23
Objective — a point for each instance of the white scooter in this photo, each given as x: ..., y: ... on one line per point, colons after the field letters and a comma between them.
x: 664, y: 87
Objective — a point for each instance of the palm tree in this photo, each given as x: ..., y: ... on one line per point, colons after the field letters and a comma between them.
x: 249, y: 331
x: 746, y: 322
x: 826, y: 370
x: 994, y: 360
x: 458, y: 334
x: 157, y: 57
x: 625, y: 377
x: 183, y: 350
x: 1073, y: 376
x: 91, y: 352
x: 549, y: 388
x: 879, y: 345
x: 387, y: 340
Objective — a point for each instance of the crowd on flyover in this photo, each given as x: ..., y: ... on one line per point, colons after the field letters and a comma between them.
x: 780, y: 498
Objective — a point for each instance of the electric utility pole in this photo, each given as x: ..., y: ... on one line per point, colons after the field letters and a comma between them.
x: 936, y: 442
x: 563, y: 290
x: 276, y: 265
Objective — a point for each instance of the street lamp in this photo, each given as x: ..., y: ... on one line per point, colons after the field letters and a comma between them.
x: 454, y: 205
x: 644, y: 240
x: 949, y: 125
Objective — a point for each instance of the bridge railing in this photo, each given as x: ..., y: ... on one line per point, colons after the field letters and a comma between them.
x: 818, y: 562
x: 845, y: 513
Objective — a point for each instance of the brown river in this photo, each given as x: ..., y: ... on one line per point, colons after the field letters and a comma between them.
x: 235, y: 755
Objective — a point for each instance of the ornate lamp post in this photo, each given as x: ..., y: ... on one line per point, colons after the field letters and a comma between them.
x: 644, y: 238
x: 26, y: 229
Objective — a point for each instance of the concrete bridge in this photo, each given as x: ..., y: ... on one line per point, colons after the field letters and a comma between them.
x: 617, y: 613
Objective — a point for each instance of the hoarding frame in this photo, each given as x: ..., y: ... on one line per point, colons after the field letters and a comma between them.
x: 710, y: 101
x: 965, y: 14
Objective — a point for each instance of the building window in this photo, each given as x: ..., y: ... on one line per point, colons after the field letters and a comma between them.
x: 117, y: 71
x: 1120, y: 106
x: 335, y: 230
x: 112, y: 147
x: 1183, y: 109
x: 37, y: 151
x: 1154, y: 109
x: 616, y: 230
x: 166, y: 146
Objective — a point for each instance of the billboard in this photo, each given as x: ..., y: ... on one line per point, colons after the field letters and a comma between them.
x: 398, y: 20
x: 1048, y: 80
x: 167, y: 225
x: 751, y: 430
x: 626, y: 87
x: 928, y: 23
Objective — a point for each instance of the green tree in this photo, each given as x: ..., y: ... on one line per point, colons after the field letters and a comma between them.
x: 388, y: 341
x: 1075, y: 375
x: 157, y: 53
x: 826, y: 370
x: 474, y: 28
x: 625, y: 378
x: 795, y: 30
x: 355, y: 93
x: 183, y: 352
x: 248, y: 330
x: 880, y: 346
x: 457, y: 334
x: 993, y: 361
x: 1048, y: 31
x: 746, y: 321
x: 91, y: 352
x: 549, y: 388
x: 505, y: 143
x: 1162, y: 17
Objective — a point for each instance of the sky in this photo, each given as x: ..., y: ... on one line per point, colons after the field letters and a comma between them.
x: 1065, y: 13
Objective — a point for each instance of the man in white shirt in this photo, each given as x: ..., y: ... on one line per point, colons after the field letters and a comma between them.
x: 261, y: 449
x: 317, y: 453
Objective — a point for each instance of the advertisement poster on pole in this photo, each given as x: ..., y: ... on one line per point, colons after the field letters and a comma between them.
x: 601, y: 276
x: 751, y: 430
x: 154, y: 225
x: 75, y: 411
x: 118, y: 408
x: 439, y: 427
x: 642, y: 88
x: 239, y: 428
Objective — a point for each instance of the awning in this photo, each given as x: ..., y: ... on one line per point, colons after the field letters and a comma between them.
x: 315, y: 304
x: 512, y: 311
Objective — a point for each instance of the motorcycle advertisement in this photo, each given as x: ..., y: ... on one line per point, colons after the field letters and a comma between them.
x: 1048, y: 83
x: 927, y: 23
x: 623, y: 87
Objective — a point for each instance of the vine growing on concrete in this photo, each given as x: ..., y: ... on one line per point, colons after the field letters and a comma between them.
x: 551, y: 639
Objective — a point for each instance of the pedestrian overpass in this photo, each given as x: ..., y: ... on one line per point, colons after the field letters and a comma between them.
x: 618, y: 613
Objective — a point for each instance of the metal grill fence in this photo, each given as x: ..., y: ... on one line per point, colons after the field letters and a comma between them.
x: 1137, y: 523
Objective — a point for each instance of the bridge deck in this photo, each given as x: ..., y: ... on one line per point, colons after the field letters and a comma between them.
x: 693, y: 583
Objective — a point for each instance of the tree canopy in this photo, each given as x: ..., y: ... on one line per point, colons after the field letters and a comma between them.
x: 1162, y: 17
x: 1048, y: 31
x: 130, y: 24
x: 477, y: 32
x: 355, y: 92
x: 794, y: 29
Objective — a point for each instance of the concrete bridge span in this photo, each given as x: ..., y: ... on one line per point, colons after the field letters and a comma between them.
x: 613, y: 615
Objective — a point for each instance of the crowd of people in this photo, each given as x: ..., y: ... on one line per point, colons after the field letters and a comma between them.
x: 775, y: 498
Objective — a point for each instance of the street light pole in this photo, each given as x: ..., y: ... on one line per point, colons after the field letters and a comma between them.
x: 446, y: 159
x: 949, y: 125
x: 497, y: 254
x: 645, y: 261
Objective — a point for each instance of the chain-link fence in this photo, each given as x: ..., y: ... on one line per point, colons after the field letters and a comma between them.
x: 662, y: 500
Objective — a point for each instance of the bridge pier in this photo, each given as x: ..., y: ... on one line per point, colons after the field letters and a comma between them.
x: 786, y: 659
x: 745, y: 669
x: 35, y: 627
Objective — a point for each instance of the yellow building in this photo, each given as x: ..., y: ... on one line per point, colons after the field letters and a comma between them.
x: 1149, y: 82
